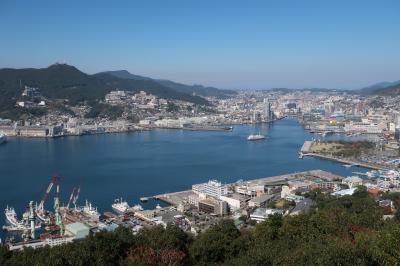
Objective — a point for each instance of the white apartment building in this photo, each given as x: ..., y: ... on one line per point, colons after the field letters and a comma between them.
x: 212, y: 188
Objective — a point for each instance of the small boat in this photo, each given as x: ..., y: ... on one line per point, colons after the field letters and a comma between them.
x: 144, y: 199
x: 158, y: 207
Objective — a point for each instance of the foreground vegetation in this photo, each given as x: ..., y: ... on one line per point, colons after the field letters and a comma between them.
x: 344, y: 231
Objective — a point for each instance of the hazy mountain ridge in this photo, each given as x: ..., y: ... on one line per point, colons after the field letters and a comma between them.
x: 384, y: 88
x: 391, y: 90
x: 180, y: 87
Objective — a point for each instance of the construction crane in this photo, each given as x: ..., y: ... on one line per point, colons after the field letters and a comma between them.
x: 40, y: 208
x: 71, y: 197
x: 74, y: 196
x: 54, y: 180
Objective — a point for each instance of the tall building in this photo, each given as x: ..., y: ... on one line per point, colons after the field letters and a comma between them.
x: 269, y: 114
x: 212, y: 188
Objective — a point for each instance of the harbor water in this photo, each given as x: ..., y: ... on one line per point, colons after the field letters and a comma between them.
x: 132, y: 165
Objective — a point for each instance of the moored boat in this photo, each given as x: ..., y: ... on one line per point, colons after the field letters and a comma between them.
x: 120, y: 206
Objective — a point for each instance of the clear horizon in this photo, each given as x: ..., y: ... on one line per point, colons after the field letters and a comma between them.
x: 226, y: 44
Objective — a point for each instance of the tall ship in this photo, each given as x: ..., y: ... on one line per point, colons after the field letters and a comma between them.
x: 3, y: 138
x: 120, y: 206
x: 254, y: 137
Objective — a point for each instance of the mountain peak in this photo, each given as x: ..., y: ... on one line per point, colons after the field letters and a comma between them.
x: 62, y: 66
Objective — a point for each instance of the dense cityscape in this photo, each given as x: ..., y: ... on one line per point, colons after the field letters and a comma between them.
x: 368, y: 122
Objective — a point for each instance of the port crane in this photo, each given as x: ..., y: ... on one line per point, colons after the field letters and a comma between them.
x: 74, y: 196
x: 40, y: 208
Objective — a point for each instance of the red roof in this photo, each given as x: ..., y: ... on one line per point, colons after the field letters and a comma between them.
x: 374, y: 191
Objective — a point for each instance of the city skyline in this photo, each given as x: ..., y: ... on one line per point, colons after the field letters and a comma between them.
x: 264, y: 45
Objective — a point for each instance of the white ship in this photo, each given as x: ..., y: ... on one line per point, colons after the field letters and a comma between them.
x: 120, y: 206
x: 90, y: 211
x: 255, y: 137
x: 144, y: 199
x: 3, y: 138
x: 14, y: 223
x: 11, y: 217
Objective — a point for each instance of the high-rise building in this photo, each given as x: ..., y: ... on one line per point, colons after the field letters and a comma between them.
x: 269, y: 115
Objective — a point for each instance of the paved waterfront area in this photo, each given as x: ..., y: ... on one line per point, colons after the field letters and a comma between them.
x: 306, y: 146
x: 180, y: 197
x: 174, y: 198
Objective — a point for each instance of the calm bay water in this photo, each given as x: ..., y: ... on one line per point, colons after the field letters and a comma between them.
x: 147, y: 163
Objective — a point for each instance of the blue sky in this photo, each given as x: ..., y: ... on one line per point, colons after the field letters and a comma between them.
x: 229, y: 44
